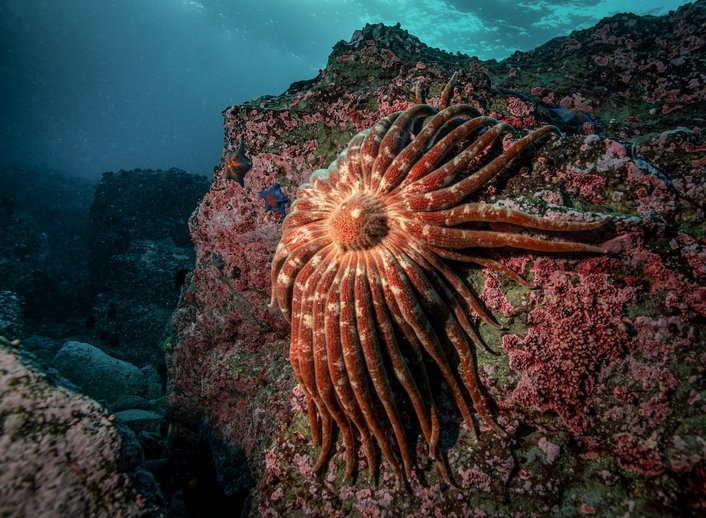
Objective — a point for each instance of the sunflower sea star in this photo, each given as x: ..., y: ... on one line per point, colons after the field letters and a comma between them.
x: 363, y: 273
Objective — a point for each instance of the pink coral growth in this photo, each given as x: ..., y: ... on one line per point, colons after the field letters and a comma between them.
x: 519, y: 114
x: 568, y: 338
x: 634, y: 455
x: 550, y: 450
x: 588, y: 186
x: 493, y: 295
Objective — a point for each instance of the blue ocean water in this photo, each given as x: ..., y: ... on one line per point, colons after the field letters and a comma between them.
x: 92, y: 86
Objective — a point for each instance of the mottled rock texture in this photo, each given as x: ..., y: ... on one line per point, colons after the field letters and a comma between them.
x: 600, y: 376
x: 140, y: 252
x: 98, y: 375
x: 61, y: 455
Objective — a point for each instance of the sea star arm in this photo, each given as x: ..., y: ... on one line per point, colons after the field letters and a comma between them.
x: 448, y: 91
x: 399, y: 365
x: 295, y: 261
x: 372, y: 353
x: 394, y: 140
x: 337, y: 368
x: 302, y: 307
x: 421, y: 163
x: 294, y: 239
x: 354, y: 362
x: 371, y: 145
x: 350, y: 172
x: 471, y: 303
x: 427, y: 182
x: 455, y: 238
x: 324, y: 385
x: 414, y: 314
x: 453, y: 195
x: 482, y: 261
x: 409, y: 156
x: 303, y: 217
x: 434, y: 296
x: 488, y: 213
x: 415, y: 354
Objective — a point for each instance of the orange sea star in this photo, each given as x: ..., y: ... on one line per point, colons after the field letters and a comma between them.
x: 363, y: 273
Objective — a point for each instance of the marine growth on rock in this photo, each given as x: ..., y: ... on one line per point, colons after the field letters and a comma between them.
x: 366, y: 274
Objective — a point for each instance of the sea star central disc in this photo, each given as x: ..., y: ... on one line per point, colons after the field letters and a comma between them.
x: 359, y: 223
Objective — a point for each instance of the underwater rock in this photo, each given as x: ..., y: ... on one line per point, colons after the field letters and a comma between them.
x: 41, y: 349
x: 98, y: 375
x: 600, y: 377
x: 61, y: 454
x: 24, y: 249
x: 140, y: 420
x: 11, y: 312
x: 141, y: 204
x: 137, y: 296
x: 140, y: 251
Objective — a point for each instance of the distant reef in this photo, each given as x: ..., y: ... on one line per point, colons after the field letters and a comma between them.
x: 90, y: 273
x: 139, y: 254
x: 101, y: 261
x: 600, y: 376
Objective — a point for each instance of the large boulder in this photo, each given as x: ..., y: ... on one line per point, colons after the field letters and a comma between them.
x: 140, y: 290
x: 61, y: 454
x: 140, y: 420
x: 141, y: 205
x: 600, y: 378
x: 98, y: 375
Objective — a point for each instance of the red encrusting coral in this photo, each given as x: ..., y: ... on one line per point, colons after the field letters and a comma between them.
x: 577, y: 324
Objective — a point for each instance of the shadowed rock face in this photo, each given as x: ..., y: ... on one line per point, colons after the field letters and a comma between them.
x: 43, y: 238
x: 599, y: 377
x: 140, y: 232
x: 139, y: 248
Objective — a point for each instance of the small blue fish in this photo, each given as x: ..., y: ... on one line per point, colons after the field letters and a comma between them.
x: 275, y: 199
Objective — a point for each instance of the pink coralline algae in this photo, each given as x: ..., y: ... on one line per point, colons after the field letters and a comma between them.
x: 586, y: 185
x: 519, y: 114
x: 568, y: 339
x: 551, y: 450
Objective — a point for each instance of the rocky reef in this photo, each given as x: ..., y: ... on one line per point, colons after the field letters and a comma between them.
x: 63, y: 455
x: 601, y: 374
x: 89, y: 279
x: 140, y: 252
